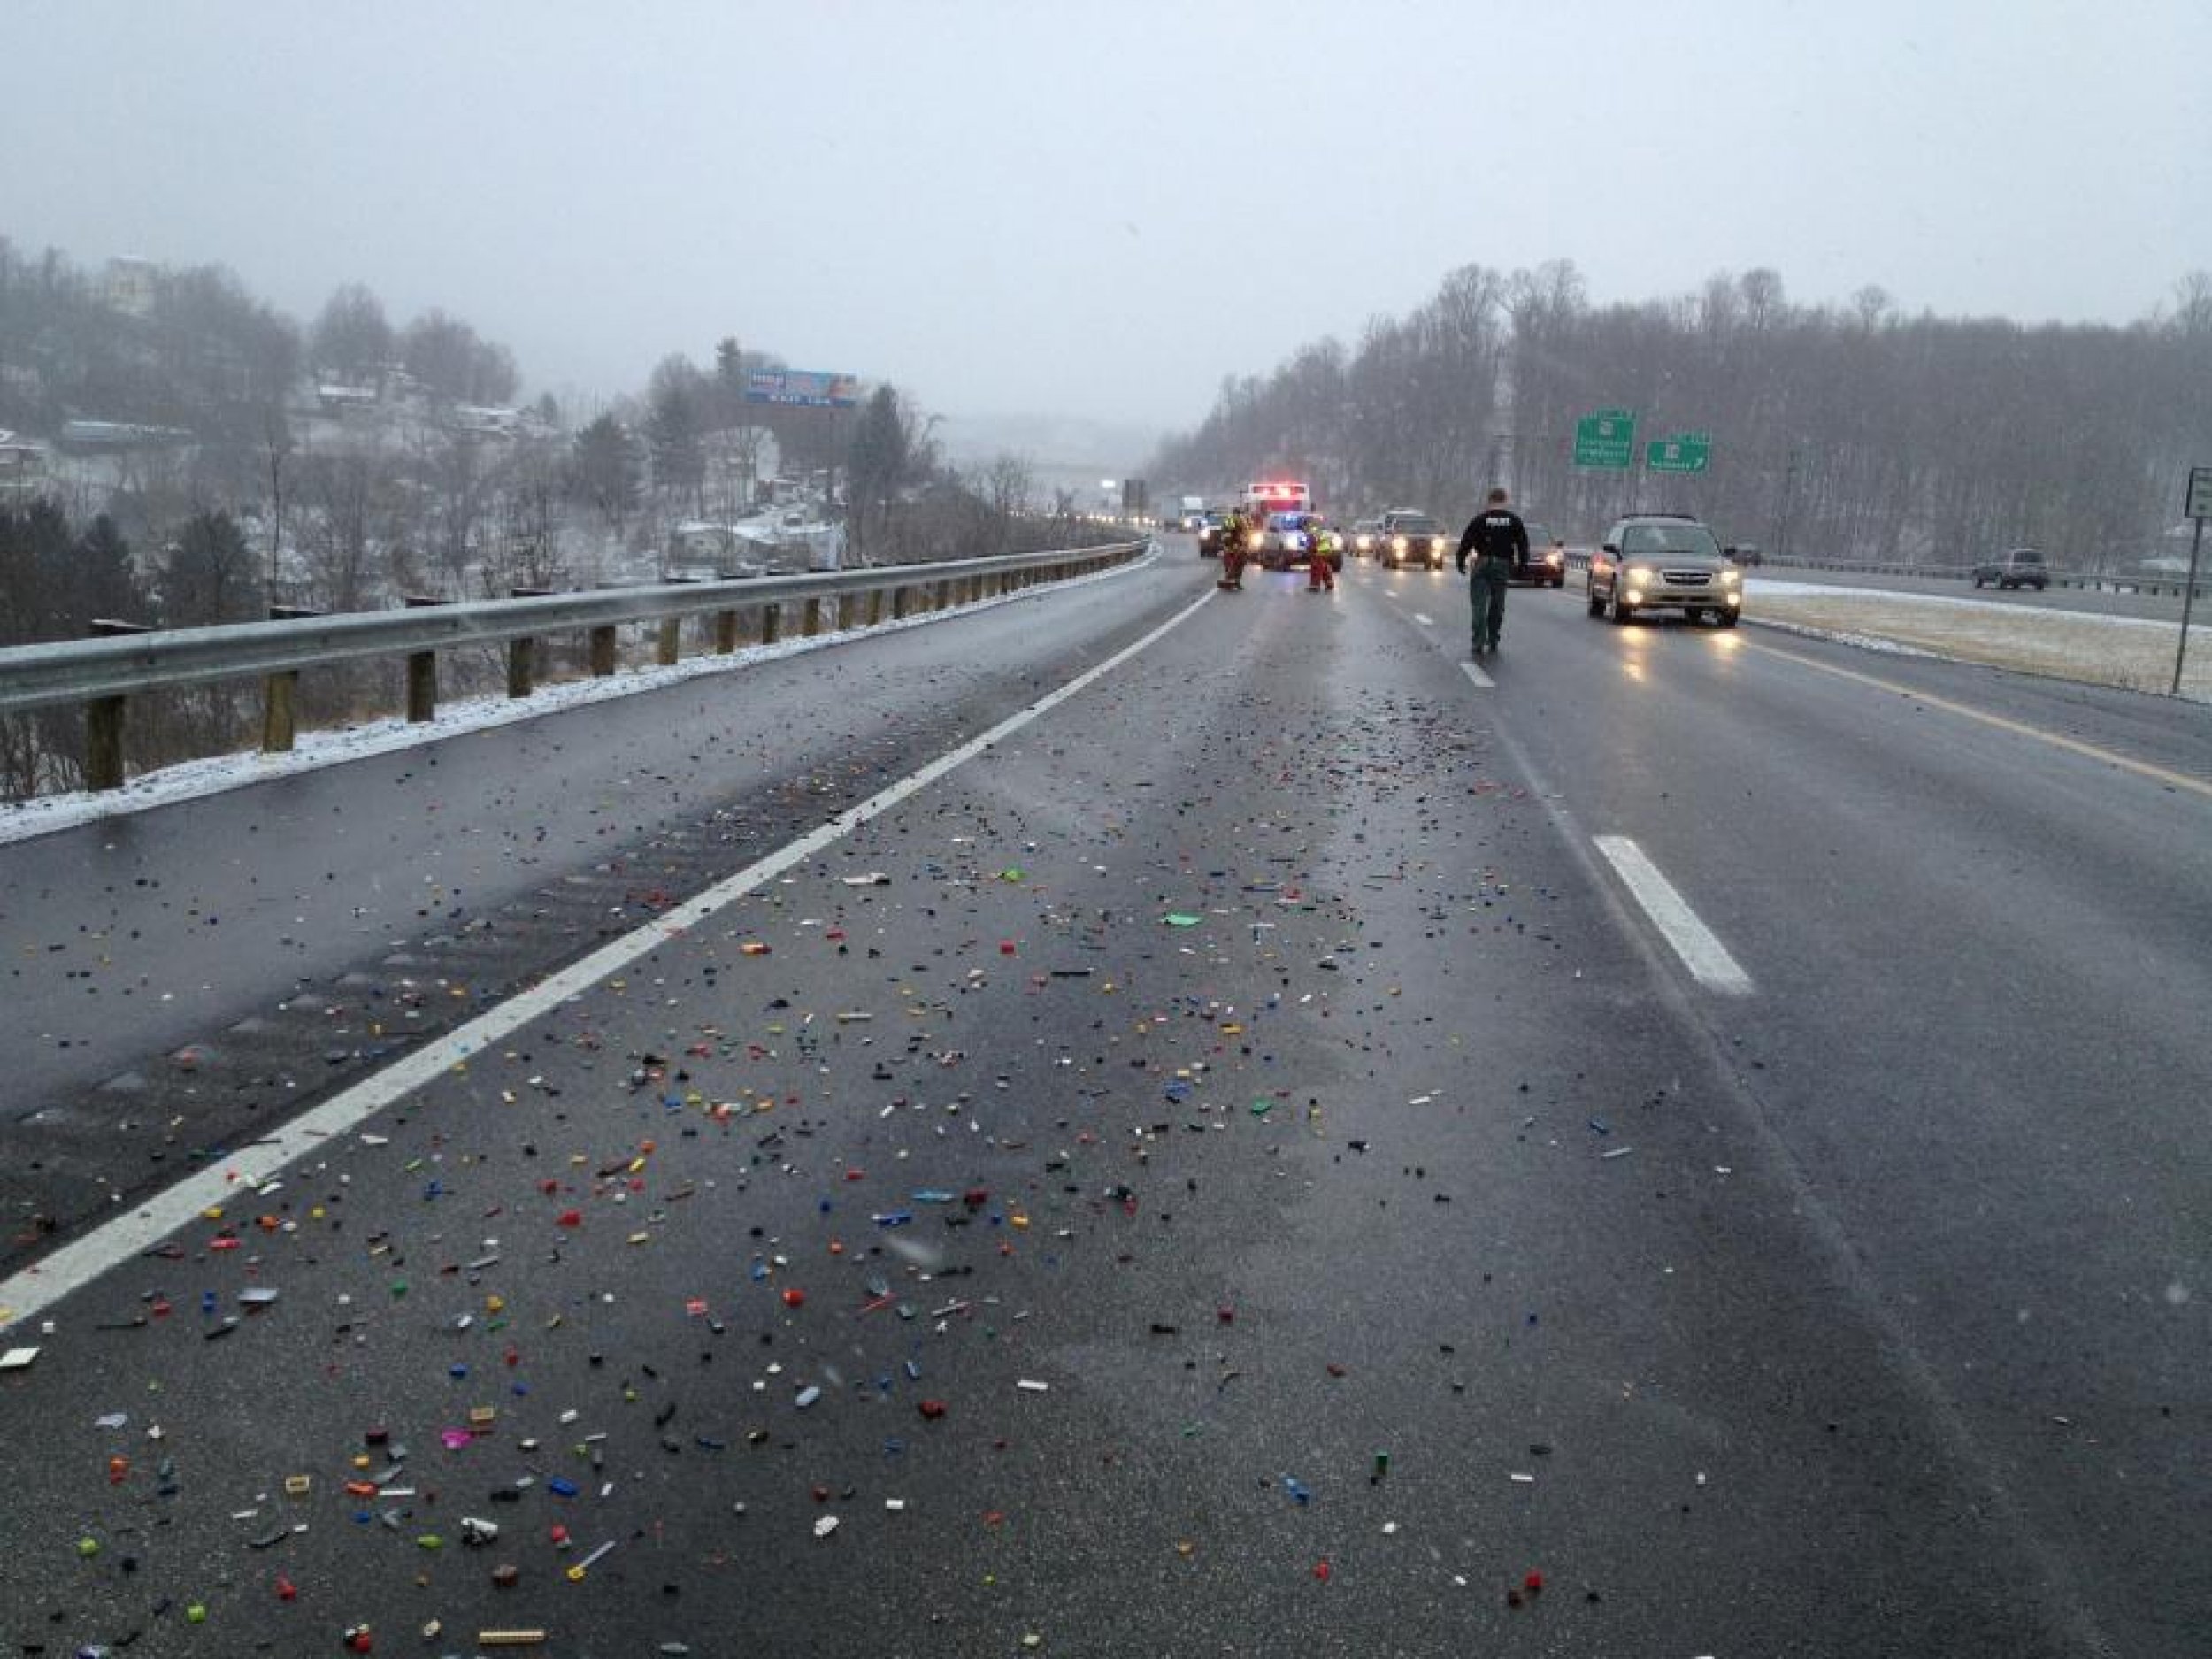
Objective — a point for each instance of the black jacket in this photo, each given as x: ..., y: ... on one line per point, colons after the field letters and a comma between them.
x: 1495, y: 533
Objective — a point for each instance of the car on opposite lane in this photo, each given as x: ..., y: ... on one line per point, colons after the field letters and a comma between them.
x: 2018, y: 567
x: 1663, y: 561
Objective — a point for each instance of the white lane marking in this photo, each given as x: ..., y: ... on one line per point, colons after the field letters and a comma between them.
x: 1702, y: 954
x: 1427, y: 622
x: 34, y: 1289
x: 1478, y: 676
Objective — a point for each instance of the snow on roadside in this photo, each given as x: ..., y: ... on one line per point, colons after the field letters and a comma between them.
x: 2131, y: 653
x: 188, y: 780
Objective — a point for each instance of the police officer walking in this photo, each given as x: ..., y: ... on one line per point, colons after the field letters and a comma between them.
x: 1499, y: 541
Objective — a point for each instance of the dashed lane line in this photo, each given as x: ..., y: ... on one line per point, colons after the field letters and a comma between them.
x: 1701, y: 951
x: 1481, y: 679
x: 30, y: 1292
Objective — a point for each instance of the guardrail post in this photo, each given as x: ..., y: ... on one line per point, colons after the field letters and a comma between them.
x: 279, y: 725
x: 770, y: 624
x: 813, y: 623
x: 724, y: 633
x: 525, y: 657
x: 671, y: 640
x: 104, y: 720
x: 422, y: 670
x: 875, y: 606
x: 900, y: 600
x: 602, y: 652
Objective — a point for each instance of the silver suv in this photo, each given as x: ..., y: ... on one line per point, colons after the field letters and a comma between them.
x: 1663, y: 561
x: 2022, y: 567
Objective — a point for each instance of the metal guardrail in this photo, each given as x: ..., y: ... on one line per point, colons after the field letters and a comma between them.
x: 2151, y: 586
x: 101, y: 673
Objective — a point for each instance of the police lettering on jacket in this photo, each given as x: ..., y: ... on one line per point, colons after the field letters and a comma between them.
x: 1495, y: 534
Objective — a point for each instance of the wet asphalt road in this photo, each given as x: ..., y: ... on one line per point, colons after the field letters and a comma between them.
x: 1258, y: 1053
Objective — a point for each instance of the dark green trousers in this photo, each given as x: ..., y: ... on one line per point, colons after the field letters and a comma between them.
x: 1485, y: 598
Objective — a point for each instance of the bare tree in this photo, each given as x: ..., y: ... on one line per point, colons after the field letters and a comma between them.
x: 277, y: 442
x: 352, y: 339
x: 343, y: 497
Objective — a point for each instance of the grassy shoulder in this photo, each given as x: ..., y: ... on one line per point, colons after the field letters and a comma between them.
x: 2066, y: 645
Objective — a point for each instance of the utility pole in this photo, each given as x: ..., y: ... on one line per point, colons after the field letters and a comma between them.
x: 1789, y: 500
x: 2199, y: 508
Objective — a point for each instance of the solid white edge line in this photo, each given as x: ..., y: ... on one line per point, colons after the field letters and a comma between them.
x: 1478, y: 676
x: 1425, y: 621
x: 37, y: 1287
x: 1702, y: 953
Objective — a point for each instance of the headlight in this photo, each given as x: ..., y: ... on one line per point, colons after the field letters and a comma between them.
x: 1554, y: 559
x: 1397, y: 544
x: 1730, y: 578
x: 1638, y: 573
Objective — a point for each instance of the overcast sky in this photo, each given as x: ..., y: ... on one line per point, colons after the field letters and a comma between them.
x: 1100, y: 207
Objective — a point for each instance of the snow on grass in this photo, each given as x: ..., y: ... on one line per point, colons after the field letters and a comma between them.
x: 2132, y: 653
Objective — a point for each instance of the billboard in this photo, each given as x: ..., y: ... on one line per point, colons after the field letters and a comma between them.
x: 802, y: 388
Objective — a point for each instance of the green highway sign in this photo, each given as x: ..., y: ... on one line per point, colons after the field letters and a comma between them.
x: 1684, y: 452
x: 1606, y: 437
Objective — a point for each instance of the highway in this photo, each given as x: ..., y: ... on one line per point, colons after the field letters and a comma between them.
x: 1137, y: 1119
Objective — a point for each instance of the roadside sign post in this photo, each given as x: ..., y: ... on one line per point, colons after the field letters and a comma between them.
x: 2197, y: 507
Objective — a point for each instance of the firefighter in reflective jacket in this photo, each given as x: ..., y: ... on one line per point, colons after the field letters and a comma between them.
x: 1321, y: 545
x: 1236, y: 547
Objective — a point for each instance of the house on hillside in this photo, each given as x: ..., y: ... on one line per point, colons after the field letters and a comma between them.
x: 22, y: 468
x: 346, y: 400
x: 127, y: 285
x: 119, y: 434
